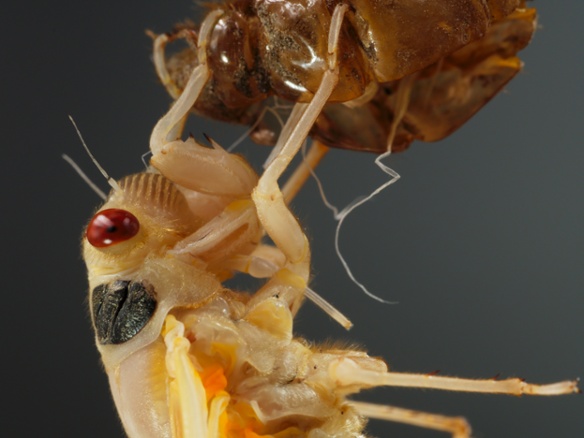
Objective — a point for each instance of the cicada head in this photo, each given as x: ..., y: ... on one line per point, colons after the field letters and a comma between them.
x: 144, y: 217
x: 133, y: 280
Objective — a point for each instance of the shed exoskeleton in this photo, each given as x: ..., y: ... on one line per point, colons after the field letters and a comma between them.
x: 462, y: 53
x: 185, y: 356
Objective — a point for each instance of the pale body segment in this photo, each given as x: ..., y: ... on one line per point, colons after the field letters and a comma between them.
x: 187, y: 357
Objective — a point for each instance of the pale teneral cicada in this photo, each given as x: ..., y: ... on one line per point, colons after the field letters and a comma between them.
x: 188, y: 357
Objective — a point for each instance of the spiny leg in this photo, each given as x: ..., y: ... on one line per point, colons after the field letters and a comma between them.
x: 457, y: 426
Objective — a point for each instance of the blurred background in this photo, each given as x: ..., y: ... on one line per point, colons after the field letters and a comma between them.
x: 480, y: 242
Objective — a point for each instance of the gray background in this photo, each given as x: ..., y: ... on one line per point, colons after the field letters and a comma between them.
x: 481, y: 240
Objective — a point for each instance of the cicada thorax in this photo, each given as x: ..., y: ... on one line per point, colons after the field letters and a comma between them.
x: 141, y: 263
x: 277, y: 48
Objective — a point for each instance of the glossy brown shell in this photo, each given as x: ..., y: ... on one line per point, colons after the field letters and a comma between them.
x: 463, y: 52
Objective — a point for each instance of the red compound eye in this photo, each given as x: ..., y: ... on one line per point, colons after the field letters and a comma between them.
x: 111, y: 226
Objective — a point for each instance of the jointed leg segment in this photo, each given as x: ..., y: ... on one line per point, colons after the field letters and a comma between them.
x: 275, y: 216
x: 167, y: 124
x: 457, y: 426
x: 316, y: 153
x: 348, y: 373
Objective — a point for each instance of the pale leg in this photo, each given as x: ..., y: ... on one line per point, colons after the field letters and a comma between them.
x: 199, y: 77
x: 293, y: 185
x: 457, y: 426
x: 160, y: 43
x: 348, y: 373
x: 274, y: 215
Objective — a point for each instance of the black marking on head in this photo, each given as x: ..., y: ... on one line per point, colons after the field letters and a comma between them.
x: 121, y: 309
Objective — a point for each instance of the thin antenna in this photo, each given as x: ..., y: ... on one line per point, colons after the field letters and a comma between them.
x: 84, y: 177
x: 144, y: 159
x: 112, y: 182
